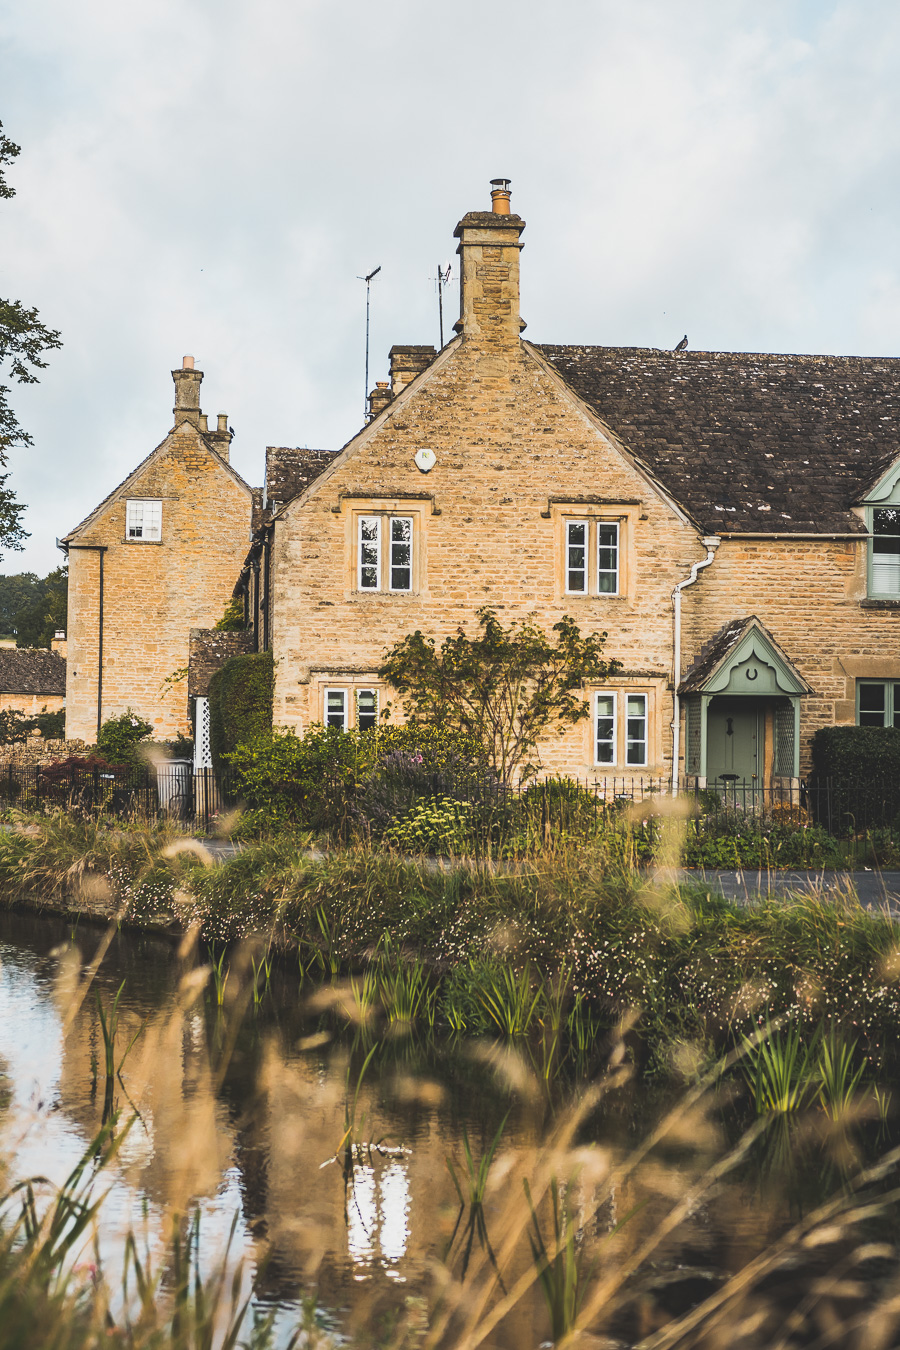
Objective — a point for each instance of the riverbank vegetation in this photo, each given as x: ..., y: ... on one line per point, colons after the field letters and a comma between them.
x: 571, y: 939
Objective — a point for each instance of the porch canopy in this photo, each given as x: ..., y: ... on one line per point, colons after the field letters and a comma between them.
x: 742, y: 708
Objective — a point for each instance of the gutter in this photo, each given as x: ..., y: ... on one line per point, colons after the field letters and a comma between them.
x: 711, y: 543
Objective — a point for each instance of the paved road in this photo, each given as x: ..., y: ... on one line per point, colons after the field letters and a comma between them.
x: 875, y: 889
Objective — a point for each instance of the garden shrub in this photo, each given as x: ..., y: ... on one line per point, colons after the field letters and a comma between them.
x: 863, y: 764
x: 435, y: 825
x: 15, y: 725
x: 240, y: 704
x: 120, y: 738
x: 329, y: 778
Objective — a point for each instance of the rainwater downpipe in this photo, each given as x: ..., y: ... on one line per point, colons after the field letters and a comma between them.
x: 710, y: 543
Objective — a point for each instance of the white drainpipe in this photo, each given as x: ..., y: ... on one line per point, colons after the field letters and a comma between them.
x: 711, y: 543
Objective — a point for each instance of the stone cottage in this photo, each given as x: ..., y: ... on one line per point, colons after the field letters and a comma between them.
x: 155, y: 559
x: 731, y: 521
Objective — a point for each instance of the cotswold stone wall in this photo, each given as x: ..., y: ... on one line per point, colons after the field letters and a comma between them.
x: 514, y: 454
x: 154, y: 593
x: 810, y: 594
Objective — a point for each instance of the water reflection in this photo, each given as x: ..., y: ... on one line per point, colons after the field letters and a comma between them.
x: 248, y: 1114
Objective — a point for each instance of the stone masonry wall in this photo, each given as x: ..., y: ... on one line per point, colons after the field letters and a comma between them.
x: 508, y: 439
x: 154, y: 593
x: 807, y: 592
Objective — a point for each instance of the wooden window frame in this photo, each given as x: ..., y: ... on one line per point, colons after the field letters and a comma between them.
x: 350, y: 693
x: 132, y: 505
x: 385, y: 546
x: 871, y: 511
x: 891, y: 714
x: 623, y: 519
x: 652, y: 692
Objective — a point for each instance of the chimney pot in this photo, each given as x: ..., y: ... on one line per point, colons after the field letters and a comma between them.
x: 187, y: 363
x: 222, y: 419
x: 500, y: 196
x: 204, y: 425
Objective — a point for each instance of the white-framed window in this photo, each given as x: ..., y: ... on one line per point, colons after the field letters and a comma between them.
x: 336, y: 708
x: 347, y: 708
x: 607, y: 557
x: 884, y: 557
x: 384, y: 553
x: 366, y: 708
x: 591, y: 562
x: 143, y: 519
x: 605, y: 728
x: 878, y: 703
x: 576, y: 557
x: 635, y: 730
x: 618, y: 739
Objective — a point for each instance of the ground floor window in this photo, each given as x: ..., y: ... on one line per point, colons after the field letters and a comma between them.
x: 620, y: 729
x: 347, y: 708
x: 878, y: 703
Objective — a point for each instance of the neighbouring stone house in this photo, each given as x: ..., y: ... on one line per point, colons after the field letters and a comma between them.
x: 731, y: 521
x: 155, y: 559
x: 32, y: 679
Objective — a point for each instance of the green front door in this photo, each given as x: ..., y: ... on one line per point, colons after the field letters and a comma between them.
x: 735, y: 730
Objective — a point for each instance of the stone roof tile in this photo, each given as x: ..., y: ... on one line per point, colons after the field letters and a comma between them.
x: 748, y: 442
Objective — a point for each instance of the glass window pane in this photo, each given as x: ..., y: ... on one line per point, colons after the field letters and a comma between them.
x: 369, y: 553
x: 872, y: 705
x: 608, y: 559
x: 336, y: 708
x: 576, y: 556
x: 636, y: 729
x: 366, y: 708
x: 401, y: 554
x: 605, y: 729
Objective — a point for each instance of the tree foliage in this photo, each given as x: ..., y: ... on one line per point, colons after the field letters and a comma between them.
x: 240, y: 703
x: 121, y: 736
x: 35, y: 622
x: 23, y: 341
x: 505, y: 688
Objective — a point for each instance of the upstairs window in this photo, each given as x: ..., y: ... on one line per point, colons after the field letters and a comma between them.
x: 592, y: 557
x: 878, y: 703
x: 885, y: 556
x: 384, y: 553
x: 143, y: 519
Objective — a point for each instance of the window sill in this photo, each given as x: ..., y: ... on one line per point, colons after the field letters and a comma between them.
x: 385, y: 595
x: 157, y: 542
x: 875, y: 603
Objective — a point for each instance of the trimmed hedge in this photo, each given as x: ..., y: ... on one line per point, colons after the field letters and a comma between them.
x: 864, y: 764
x: 240, y: 704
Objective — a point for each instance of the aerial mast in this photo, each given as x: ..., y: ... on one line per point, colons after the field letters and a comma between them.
x: 368, y: 281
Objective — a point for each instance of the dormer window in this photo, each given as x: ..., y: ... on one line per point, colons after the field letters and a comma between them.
x: 143, y: 519
x: 884, y: 576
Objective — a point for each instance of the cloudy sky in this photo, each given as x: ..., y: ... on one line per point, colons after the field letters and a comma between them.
x: 212, y: 176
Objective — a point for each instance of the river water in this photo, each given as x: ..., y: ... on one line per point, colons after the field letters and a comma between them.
x: 241, y: 1113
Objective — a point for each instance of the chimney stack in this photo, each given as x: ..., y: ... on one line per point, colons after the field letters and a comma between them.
x: 489, y: 250
x: 407, y: 363
x: 187, y: 393
x: 379, y: 398
x: 221, y: 437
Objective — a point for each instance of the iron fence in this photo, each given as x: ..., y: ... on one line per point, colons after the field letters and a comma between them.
x: 174, y: 789
x: 845, y: 809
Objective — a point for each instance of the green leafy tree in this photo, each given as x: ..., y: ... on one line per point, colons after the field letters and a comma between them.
x: 17, y: 591
x: 35, y: 623
x: 23, y: 340
x: 121, y: 736
x: 232, y: 621
x: 505, y: 688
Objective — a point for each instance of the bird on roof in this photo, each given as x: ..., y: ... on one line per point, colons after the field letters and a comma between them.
x: 682, y: 344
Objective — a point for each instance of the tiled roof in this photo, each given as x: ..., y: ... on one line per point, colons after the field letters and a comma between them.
x: 748, y: 442
x: 290, y: 470
x: 31, y: 670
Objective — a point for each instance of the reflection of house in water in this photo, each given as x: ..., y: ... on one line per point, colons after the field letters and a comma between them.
x: 378, y: 1215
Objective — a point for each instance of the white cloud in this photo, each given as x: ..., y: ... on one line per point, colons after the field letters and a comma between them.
x: 212, y: 176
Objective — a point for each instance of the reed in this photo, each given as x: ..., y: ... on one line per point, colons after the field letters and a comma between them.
x: 779, y: 1070
x: 838, y: 1081
x: 511, y: 999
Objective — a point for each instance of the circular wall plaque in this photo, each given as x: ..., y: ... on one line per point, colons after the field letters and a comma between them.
x: 425, y: 459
